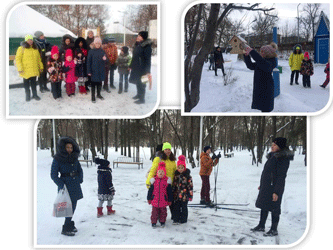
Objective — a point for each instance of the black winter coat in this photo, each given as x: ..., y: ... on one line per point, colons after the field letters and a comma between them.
x: 64, y: 46
x: 81, y: 66
x: 273, y: 179
x: 43, y: 47
x: 218, y: 58
x: 96, y: 64
x: 141, y: 60
x: 263, y: 83
x: 104, y: 178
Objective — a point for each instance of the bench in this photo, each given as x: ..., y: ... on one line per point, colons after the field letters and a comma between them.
x: 228, y: 155
x: 86, y: 159
x: 129, y: 160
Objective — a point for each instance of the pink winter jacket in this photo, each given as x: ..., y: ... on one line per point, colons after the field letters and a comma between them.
x: 160, y: 192
x: 70, y: 72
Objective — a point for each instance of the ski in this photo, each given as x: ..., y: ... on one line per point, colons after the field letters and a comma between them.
x: 220, y: 204
x: 227, y: 208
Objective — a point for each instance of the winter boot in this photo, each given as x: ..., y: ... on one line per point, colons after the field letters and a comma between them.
x: 202, y: 202
x: 99, y: 87
x: 136, y: 97
x: 153, y: 225
x: 258, y: 228
x: 106, y: 88
x: 162, y: 224
x: 72, y: 227
x: 140, y: 101
x: 99, y: 212
x: 110, y: 211
x: 67, y: 231
x: 271, y: 233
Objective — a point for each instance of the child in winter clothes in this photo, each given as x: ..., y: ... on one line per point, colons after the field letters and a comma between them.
x: 69, y: 69
x: 327, y: 71
x: 106, y: 190
x: 54, y: 67
x: 80, y: 70
x: 182, y: 189
x: 123, y: 62
x: 295, y: 61
x: 159, y: 195
x: 306, y: 70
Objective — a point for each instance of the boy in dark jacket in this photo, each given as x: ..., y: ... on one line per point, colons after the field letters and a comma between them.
x: 123, y: 62
x: 159, y: 195
x: 182, y: 189
x: 106, y: 190
x: 306, y: 70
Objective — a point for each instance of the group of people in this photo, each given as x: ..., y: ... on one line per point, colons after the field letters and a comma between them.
x: 170, y: 183
x: 87, y: 62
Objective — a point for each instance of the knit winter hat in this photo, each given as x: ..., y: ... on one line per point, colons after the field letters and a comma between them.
x: 306, y: 55
x: 97, y: 40
x: 69, y: 52
x: 166, y: 145
x: 102, y: 162
x: 125, y: 49
x: 54, y: 50
x: 181, y: 161
x: 161, y: 166
x: 38, y: 34
x: 206, y: 148
x: 281, y: 142
x: 269, y: 51
x: 143, y: 34
x: 28, y: 37
x: 159, y: 147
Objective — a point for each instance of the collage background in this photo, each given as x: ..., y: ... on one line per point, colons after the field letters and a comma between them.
x: 17, y: 147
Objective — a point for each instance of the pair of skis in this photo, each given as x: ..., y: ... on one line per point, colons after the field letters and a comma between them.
x: 224, y: 206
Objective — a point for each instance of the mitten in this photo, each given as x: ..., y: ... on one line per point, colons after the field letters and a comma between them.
x: 190, y: 199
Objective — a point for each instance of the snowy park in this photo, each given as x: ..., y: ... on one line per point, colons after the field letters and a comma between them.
x: 236, y: 96
x: 237, y: 183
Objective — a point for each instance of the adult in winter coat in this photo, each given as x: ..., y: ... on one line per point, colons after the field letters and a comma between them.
x: 218, y: 59
x: 44, y: 48
x: 29, y: 65
x: 170, y: 163
x: 206, y: 167
x: 66, y: 43
x: 65, y: 162
x: 182, y: 189
x: 96, y: 68
x: 111, y: 52
x: 140, y: 65
x: 295, y: 61
x: 159, y: 195
x: 306, y: 70
x: 263, y: 83
x: 106, y: 190
x: 272, y: 183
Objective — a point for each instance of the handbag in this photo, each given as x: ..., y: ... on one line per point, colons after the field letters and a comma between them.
x: 62, y: 206
x: 146, y: 79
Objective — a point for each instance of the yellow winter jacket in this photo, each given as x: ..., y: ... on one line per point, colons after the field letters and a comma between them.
x: 28, y: 60
x: 170, y: 167
x: 295, y: 61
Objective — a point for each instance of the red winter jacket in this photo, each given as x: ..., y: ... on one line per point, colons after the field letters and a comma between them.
x: 327, y: 70
x: 160, y: 192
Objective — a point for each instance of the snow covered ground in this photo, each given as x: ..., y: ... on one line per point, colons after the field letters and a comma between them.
x: 237, y: 182
x: 237, y: 97
x: 114, y: 104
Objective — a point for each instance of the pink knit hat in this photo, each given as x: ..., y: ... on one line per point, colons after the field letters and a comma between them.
x: 269, y: 51
x: 97, y: 40
x: 161, y: 166
x: 54, y: 50
x: 69, y: 52
x: 181, y: 161
x: 306, y: 55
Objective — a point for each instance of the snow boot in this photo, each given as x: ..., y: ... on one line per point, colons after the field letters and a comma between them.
x: 210, y: 204
x: 153, y: 225
x: 202, y: 202
x: 66, y: 230
x: 140, y: 101
x: 110, y: 211
x: 271, y: 233
x: 99, y: 87
x: 258, y: 229
x: 72, y: 227
x: 162, y: 224
x: 99, y: 212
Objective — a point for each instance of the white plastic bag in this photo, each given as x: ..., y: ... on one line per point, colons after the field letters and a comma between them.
x: 62, y: 206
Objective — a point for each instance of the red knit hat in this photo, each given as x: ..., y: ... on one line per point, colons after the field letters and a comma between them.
x: 54, y: 50
x: 69, y: 52
x: 181, y: 161
x: 161, y: 166
x: 306, y: 55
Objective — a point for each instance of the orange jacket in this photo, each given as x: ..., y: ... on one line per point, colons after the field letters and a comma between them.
x: 111, y: 52
x: 207, y: 164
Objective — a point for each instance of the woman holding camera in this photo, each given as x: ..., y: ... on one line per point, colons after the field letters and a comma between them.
x: 207, y: 163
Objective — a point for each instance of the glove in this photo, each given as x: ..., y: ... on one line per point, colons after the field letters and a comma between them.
x: 219, y: 155
x: 214, y: 156
x: 149, y: 202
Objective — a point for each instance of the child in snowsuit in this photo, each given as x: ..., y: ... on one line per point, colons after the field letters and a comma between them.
x: 159, y: 195
x: 80, y: 70
x: 123, y: 62
x: 106, y: 190
x: 69, y: 69
x: 54, y: 67
x: 306, y: 70
x: 182, y: 189
x: 327, y: 71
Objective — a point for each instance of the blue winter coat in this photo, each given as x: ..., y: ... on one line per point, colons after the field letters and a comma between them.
x: 273, y: 179
x: 104, y: 179
x: 96, y: 64
x: 263, y: 83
